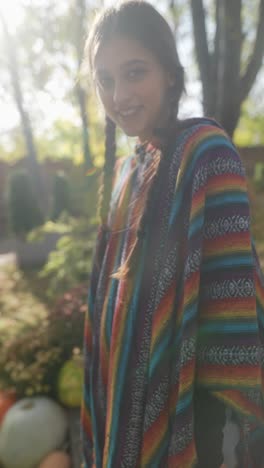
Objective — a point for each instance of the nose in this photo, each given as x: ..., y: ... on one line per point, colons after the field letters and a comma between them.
x: 121, y: 94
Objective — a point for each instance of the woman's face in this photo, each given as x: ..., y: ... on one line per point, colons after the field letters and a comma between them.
x: 132, y: 86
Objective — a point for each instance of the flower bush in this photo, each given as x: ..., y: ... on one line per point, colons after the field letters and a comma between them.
x: 30, y: 361
x: 29, y: 364
x: 66, y: 321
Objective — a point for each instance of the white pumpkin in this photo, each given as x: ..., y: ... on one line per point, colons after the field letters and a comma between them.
x: 31, y: 429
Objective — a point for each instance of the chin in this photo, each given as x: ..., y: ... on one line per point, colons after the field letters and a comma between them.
x: 133, y: 132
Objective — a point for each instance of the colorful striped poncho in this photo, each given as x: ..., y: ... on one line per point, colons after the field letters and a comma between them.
x: 191, y: 316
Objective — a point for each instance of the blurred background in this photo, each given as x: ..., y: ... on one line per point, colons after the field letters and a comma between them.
x: 51, y: 157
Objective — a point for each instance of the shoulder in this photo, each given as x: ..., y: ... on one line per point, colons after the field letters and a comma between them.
x: 200, y: 136
x: 204, y: 146
x: 199, y: 131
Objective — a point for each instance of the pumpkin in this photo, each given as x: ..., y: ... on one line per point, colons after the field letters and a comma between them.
x: 7, y: 399
x: 70, y: 383
x: 56, y: 459
x: 32, y: 428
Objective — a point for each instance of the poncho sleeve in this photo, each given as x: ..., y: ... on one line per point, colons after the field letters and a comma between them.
x: 231, y: 312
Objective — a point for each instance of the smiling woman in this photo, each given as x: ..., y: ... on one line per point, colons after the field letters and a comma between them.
x: 174, y: 333
x: 133, y: 86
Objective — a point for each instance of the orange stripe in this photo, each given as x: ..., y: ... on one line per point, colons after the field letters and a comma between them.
x: 224, y: 182
x: 86, y: 422
x: 152, y: 438
x: 197, y: 203
x: 162, y: 314
x: 230, y: 243
x: 237, y: 400
x: 230, y: 375
x: 229, y: 308
x: 186, y: 459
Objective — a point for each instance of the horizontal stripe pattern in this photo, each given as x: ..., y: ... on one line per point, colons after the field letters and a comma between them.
x: 192, y: 313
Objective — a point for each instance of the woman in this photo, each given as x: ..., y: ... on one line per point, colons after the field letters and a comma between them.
x: 174, y: 332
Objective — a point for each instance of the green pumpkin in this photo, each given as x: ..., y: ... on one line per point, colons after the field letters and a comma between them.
x: 70, y: 383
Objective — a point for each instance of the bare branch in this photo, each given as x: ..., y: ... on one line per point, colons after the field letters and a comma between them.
x: 255, y: 62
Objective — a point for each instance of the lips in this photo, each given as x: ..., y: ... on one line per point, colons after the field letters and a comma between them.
x: 129, y: 112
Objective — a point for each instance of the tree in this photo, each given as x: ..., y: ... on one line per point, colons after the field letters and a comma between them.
x: 81, y: 94
x: 13, y: 68
x: 226, y: 78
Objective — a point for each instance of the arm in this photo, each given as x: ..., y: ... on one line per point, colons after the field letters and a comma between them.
x: 229, y: 348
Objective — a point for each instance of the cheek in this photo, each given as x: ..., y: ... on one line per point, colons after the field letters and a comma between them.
x: 154, y: 92
x: 106, y: 102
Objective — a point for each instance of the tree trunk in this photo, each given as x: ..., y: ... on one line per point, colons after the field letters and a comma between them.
x: 224, y: 89
x: 80, y: 91
x: 81, y: 97
x: 33, y: 166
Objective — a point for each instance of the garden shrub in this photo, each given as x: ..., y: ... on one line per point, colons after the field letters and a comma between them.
x: 66, y: 321
x: 71, y: 262
x: 61, y: 195
x: 30, y: 361
x: 259, y: 176
x: 23, y: 210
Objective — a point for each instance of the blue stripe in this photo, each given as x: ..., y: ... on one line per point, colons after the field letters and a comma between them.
x: 184, y: 402
x: 230, y: 196
x: 220, y: 327
x: 95, y: 430
x: 227, y: 261
x: 190, y: 312
x: 196, y: 224
x: 124, y: 356
x: 177, y: 203
x: 159, y: 351
x: 260, y: 313
x: 160, y: 452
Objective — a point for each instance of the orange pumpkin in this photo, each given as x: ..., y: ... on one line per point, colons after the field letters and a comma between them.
x: 56, y: 459
x: 7, y: 399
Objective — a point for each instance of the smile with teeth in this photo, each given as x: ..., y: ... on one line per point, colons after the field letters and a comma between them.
x: 128, y: 112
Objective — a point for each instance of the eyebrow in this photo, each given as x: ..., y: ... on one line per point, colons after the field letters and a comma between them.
x: 127, y: 64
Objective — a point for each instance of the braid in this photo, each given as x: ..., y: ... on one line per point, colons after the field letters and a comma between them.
x: 106, y: 186
x: 105, y: 190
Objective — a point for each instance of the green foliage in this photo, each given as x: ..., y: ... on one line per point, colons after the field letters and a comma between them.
x: 61, y: 195
x: 66, y: 321
x: 30, y: 359
x: 250, y: 130
x: 29, y: 363
x: 70, y: 263
x: 62, y: 141
x: 36, y: 339
x: 24, y: 212
x: 259, y: 176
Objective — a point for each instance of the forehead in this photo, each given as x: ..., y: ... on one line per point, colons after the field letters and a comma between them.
x: 120, y: 53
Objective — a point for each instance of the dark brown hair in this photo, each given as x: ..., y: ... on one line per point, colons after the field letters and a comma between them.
x: 138, y: 20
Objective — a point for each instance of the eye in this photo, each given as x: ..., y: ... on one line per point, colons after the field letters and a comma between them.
x: 136, y: 73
